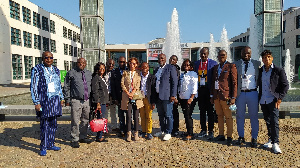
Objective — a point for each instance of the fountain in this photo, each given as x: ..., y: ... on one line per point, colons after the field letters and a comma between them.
x: 172, y: 42
x: 212, y: 48
x: 289, y: 68
x: 225, y: 44
x: 253, y: 39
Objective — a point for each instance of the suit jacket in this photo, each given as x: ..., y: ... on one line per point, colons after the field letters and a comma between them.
x: 210, y: 65
x: 115, y: 84
x: 227, y: 82
x: 99, y: 90
x: 150, y: 87
x: 279, y: 84
x: 239, y: 67
x: 168, y: 82
x: 126, y: 84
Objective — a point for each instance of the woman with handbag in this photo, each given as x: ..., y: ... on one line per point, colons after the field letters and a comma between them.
x: 99, y: 95
x: 131, y: 101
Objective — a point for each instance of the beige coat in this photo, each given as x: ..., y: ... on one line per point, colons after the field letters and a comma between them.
x: 125, y: 85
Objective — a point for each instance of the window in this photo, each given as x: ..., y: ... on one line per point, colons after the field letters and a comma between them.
x: 45, y: 25
x: 55, y: 62
x: 75, y: 51
x: 78, y: 37
x: 26, y: 15
x: 66, y: 64
x: 17, y: 67
x: 74, y: 36
x: 298, y: 41
x: 298, y: 22
x: 27, y: 39
x: 37, y: 42
x: 14, y: 10
x: 70, y: 34
x: 53, y: 45
x: 38, y: 60
x: 36, y: 20
x: 15, y: 36
x: 70, y: 50
x: 284, y: 23
x: 52, y: 26
x: 65, y: 32
x: 66, y: 49
x: 45, y: 44
x: 28, y: 66
x: 283, y: 44
x: 79, y: 52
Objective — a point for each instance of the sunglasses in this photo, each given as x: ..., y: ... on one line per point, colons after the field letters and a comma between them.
x: 48, y: 57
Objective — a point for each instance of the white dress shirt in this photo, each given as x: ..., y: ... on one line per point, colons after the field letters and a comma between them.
x: 188, y: 84
x: 250, y: 74
x: 143, y: 83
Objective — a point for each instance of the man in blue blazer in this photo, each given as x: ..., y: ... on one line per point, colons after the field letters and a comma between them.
x: 166, y: 87
x: 204, y: 69
x: 273, y: 86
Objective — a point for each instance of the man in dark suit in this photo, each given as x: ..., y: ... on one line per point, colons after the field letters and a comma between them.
x: 247, y: 75
x: 166, y: 87
x: 116, y: 91
x: 273, y: 86
x: 148, y: 89
x: 204, y: 69
x: 223, y: 94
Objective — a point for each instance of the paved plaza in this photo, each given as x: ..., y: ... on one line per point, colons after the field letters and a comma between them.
x: 19, y: 147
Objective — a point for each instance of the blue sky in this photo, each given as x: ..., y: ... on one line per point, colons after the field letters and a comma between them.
x: 140, y: 21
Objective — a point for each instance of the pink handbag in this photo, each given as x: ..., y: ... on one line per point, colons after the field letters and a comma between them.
x: 99, y: 124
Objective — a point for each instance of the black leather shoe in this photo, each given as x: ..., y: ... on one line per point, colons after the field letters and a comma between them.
x: 241, y: 141
x: 229, y: 141
x: 253, y: 143
x: 75, y: 144
x: 174, y: 134
x: 220, y: 138
x: 87, y: 141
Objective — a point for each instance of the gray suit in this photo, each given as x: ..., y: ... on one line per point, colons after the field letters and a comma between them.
x: 239, y: 67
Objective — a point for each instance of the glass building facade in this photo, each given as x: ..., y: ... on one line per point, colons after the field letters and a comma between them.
x: 269, y: 16
x: 92, y: 32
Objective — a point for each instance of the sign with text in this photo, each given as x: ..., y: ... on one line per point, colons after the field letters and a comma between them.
x: 153, y: 53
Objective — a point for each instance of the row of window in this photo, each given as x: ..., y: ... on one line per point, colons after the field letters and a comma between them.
x: 36, y: 17
x: 71, y: 35
x: 17, y: 65
x: 72, y: 51
x: 242, y: 39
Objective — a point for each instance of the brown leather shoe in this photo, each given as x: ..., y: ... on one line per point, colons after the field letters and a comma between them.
x: 101, y: 140
x: 187, y: 138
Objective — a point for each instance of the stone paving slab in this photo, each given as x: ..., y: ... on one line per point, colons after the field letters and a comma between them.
x: 19, y: 147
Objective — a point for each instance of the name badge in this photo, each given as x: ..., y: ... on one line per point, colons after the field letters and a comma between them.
x: 51, y: 87
x: 245, y: 82
x: 216, y: 84
x: 202, y: 81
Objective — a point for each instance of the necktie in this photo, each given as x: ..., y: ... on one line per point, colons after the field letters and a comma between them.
x: 86, y: 90
x: 246, y: 66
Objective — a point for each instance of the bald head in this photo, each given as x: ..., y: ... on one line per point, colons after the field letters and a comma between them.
x: 81, y: 63
x: 246, y: 53
x: 47, y: 58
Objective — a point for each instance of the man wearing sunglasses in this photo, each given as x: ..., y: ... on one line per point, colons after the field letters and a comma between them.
x: 47, y: 96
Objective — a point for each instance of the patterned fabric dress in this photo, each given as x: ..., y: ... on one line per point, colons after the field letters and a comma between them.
x: 49, y: 101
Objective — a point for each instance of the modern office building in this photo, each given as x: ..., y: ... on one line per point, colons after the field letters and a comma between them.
x: 291, y: 35
x: 26, y: 31
x: 92, y: 31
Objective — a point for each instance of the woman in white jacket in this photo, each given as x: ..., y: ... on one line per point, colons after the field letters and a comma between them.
x: 188, y: 88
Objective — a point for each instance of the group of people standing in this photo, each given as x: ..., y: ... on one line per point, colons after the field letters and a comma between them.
x: 131, y: 91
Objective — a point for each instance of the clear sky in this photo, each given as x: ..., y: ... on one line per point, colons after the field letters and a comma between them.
x: 140, y: 21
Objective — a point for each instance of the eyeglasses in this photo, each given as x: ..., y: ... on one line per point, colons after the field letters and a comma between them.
x: 48, y: 57
x: 121, y: 61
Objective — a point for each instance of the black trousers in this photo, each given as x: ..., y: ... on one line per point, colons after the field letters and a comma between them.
x: 271, y: 116
x: 121, y: 115
x: 132, y: 109
x: 175, y: 118
x: 187, y: 112
x: 205, y: 107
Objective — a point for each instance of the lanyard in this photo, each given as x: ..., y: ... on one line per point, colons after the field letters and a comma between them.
x: 201, y: 63
x: 49, y: 72
x: 131, y: 78
x: 220, y: 69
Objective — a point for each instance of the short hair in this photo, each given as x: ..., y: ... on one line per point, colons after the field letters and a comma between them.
x: 174, y: 56
x: 221, y: 51
x: 97, y: 67
x: 191, y: 65
x: 266, y: 52
x: 205, y: 48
